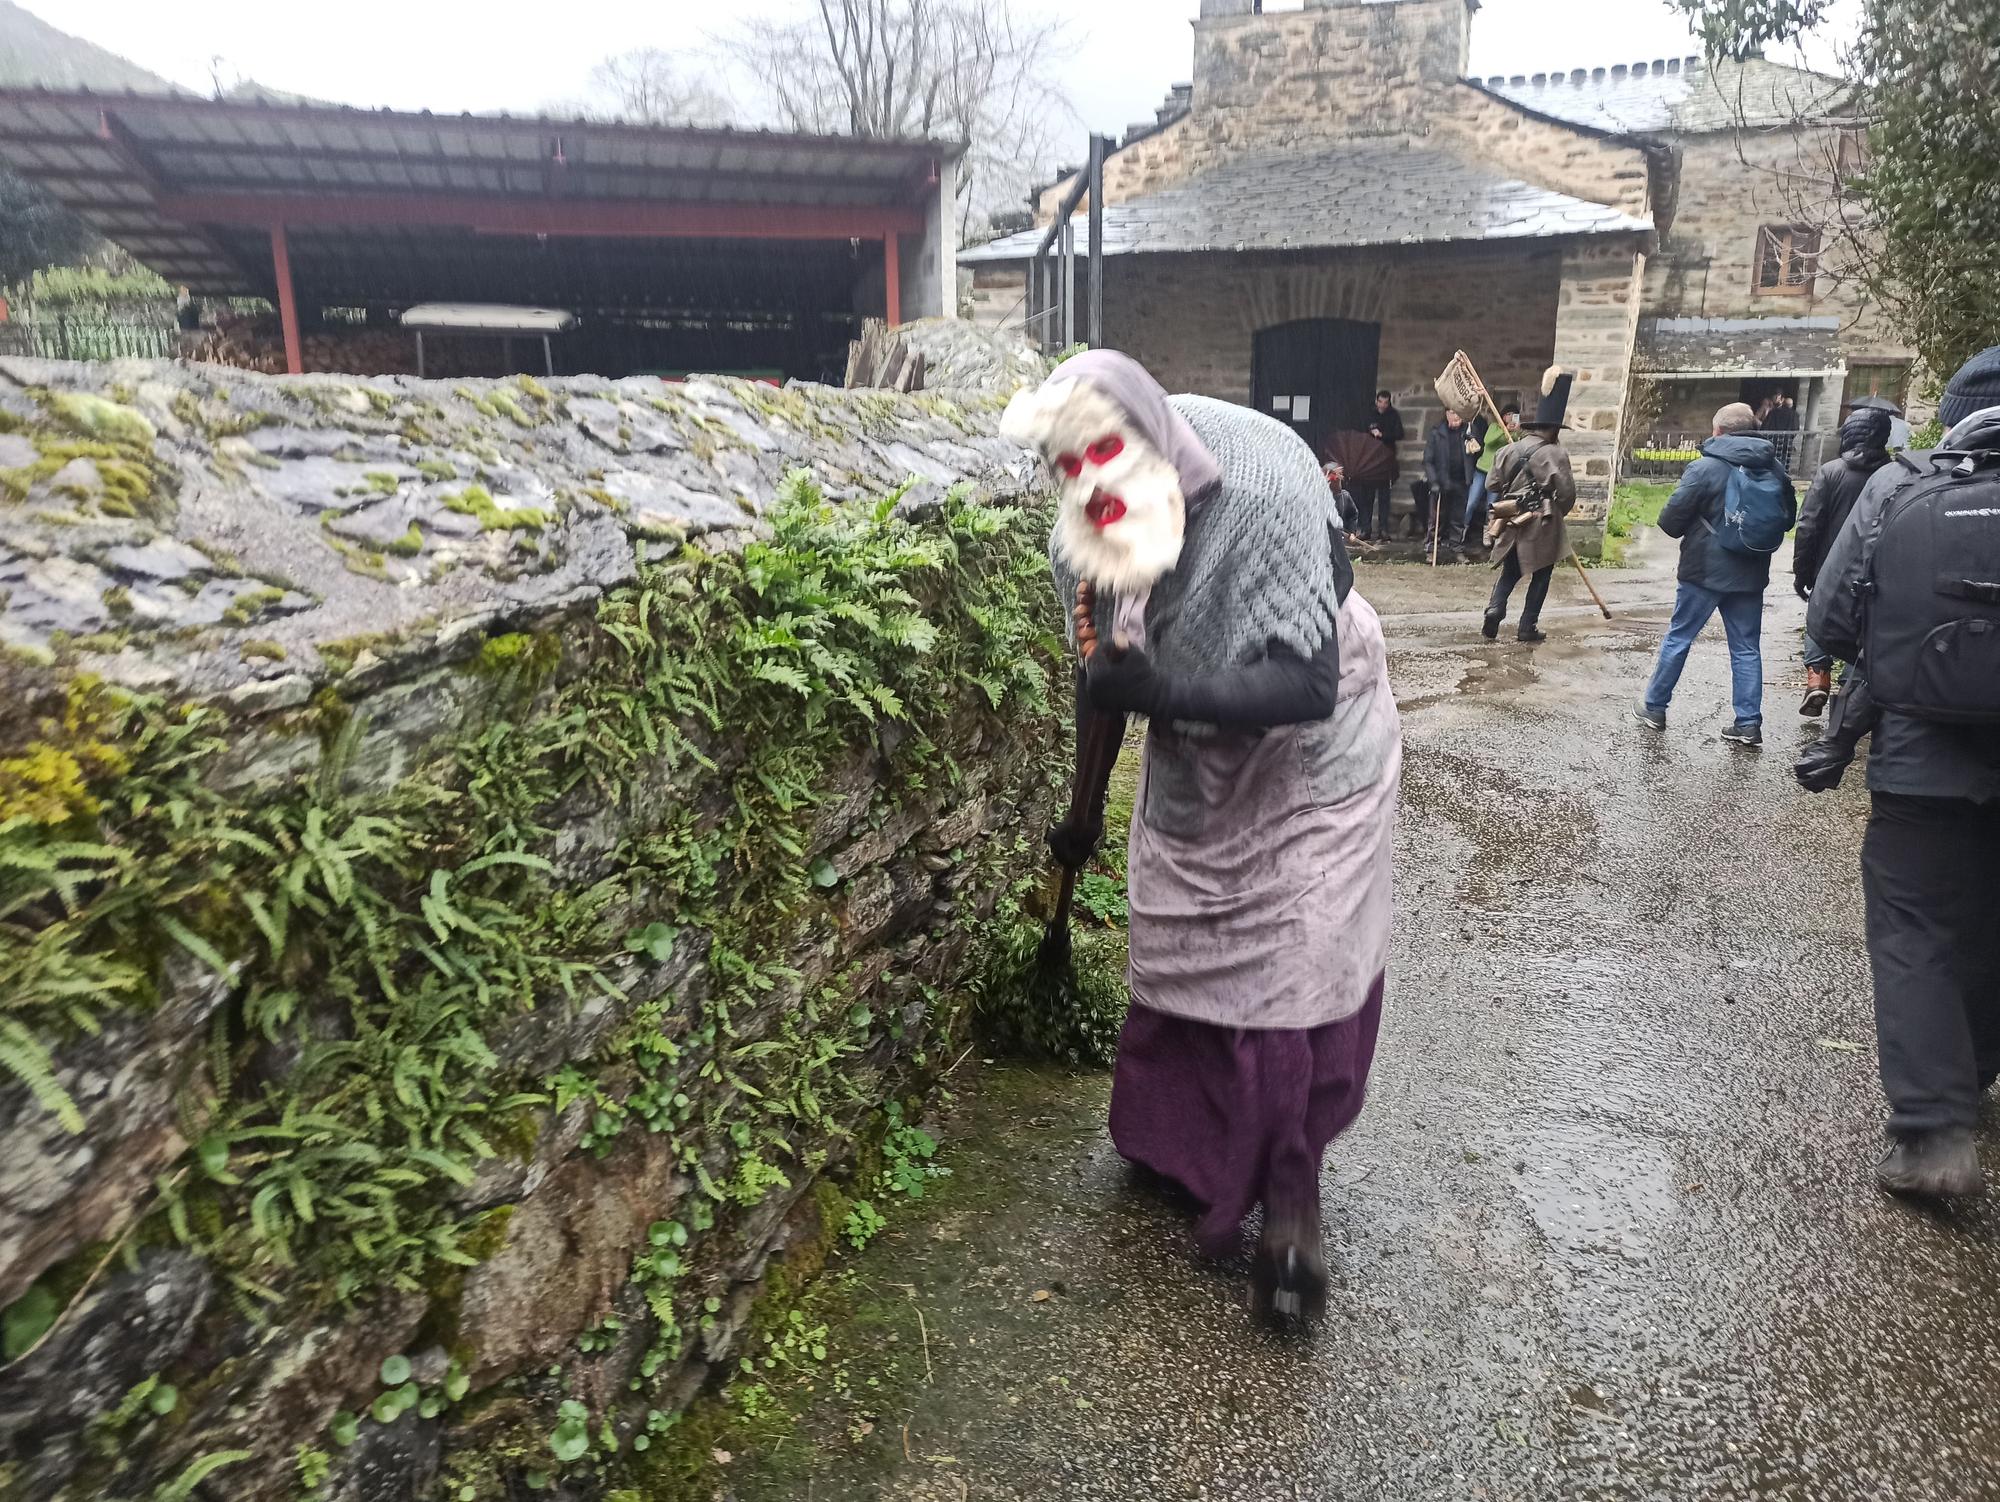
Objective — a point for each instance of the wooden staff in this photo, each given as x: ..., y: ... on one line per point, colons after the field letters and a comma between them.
x: 1575, y: 562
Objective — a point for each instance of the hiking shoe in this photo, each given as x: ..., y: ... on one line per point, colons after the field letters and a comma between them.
x: 1490, y: 627
x: 1530, y: 635
x: 1740, y: 734
x: 1932, y: 1165
x: 1655, y: 719
x: 1819, y: 688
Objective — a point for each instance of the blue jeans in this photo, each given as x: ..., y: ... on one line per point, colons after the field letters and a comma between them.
x: 1742, y: 620
x: 1477, y: 503
x: 1815, y: 655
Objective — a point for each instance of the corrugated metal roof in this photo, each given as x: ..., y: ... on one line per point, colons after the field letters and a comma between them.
x: 113, y: 157
x: 1669, y: 95
x: 1347, y: 196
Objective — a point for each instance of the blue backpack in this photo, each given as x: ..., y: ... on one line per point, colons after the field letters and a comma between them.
x: 1755, y: 517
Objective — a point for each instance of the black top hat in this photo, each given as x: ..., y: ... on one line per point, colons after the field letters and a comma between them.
x: 1554, y: 406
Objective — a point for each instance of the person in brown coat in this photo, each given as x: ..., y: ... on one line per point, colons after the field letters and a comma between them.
x: 1534, y: 493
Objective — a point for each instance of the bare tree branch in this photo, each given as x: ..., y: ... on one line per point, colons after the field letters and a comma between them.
x: 650, y: 87
x: 967, y: 70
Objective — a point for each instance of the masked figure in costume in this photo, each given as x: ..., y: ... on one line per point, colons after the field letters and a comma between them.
x: 1201, y: 553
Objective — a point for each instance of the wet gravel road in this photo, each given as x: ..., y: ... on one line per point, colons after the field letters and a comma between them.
x: 1605, y: 1229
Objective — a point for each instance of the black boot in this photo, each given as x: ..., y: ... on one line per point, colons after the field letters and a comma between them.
x: 1490, y: 626
x: 1933, y: 1165
x: 1288, y: 1276
x: 1530, y: 634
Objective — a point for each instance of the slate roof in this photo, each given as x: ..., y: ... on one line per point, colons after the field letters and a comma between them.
x: 1673, y: 95
x: 1727, y: 346
x: 1352, y: 195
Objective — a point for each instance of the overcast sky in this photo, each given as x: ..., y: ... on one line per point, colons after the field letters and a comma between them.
x: 523, y: 55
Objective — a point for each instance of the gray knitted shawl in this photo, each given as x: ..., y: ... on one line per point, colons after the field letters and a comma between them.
x: 1257, y: 564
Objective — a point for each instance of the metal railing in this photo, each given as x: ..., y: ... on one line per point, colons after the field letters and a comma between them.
x: 1052, y: 300
x: 1663, y: 455
x: 86, y: 336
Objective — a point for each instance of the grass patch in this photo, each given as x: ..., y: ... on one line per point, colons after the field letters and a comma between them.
x: 1634, y: 504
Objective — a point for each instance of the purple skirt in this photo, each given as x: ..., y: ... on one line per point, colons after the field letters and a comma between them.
x: 1239, y: 1116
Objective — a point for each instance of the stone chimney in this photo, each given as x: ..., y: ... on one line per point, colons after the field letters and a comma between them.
x: 1330, y: 58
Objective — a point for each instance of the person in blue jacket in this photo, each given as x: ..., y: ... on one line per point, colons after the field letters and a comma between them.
x: 1715, y: 577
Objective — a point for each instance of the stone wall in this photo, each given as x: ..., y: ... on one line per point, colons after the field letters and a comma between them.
x: 1320, y: 76
x: 1192, y: 320
x: 1731, y: 184
x: 1269, y: 83
x: 476, y: 862
x: 999, y: 298
x: 1343, y: 71
x: 1597, y: 321
x: 1481, y: 127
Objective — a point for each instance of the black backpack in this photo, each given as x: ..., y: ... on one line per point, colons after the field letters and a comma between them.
x: 1932, y: 588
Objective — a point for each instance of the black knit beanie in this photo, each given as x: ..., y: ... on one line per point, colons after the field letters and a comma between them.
x: 1867, y: 428
x: 1975, y: 388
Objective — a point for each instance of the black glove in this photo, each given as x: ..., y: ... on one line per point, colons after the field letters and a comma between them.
x: 1822, y: 764
x: 1124, y: 682
x: 1074, y: 844
x: 1802, y: 589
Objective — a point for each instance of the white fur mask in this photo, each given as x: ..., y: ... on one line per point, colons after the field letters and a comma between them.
x: 1123, y: 515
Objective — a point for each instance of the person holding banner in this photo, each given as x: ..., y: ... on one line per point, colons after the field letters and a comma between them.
x: 1534, y: 491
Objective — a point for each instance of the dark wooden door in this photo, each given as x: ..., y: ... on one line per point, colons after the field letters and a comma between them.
x: 1317, y: 374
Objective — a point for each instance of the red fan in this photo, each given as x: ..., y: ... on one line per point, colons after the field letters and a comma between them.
x: 1365, y: 458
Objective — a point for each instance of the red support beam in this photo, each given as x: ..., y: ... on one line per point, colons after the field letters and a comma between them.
x: 892, y: 275
x: 496, y: 215
x: 288, y: 307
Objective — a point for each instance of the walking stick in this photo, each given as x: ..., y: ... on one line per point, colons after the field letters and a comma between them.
x: 1096, y: 755
x: 1097, y: 746
x: 1594, y: 595
x: 1487, y: 397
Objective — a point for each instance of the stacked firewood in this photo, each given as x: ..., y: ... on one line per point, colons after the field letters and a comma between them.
x: 258, y: 343
x: 881, y: 360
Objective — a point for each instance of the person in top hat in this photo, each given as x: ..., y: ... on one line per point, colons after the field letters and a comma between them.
x: 1534, y: 492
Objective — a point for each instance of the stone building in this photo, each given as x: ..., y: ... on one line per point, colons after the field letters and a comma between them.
x: 1333, y: 205
x: 1739, y: 299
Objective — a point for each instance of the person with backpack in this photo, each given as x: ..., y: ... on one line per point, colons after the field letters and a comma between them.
x: 1731, y: 512
x: 1534, y: 491
x: 1864, y: 448
x: 1910, y: 592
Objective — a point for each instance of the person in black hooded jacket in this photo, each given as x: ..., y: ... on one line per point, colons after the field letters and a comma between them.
x: 1864, y: 448
x: 1930, y: 862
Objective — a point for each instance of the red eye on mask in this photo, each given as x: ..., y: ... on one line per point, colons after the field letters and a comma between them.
x: 1106, y: 449
x: 1070, y: 465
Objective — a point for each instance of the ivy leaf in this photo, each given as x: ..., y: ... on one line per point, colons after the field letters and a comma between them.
x: 395, y: 1371
x: 824, y: 874
x: 344, y: 1429
x: 164, y: 1399
x: 655, y: 941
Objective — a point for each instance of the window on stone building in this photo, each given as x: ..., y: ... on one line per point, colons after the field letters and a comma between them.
x: 1787, y: 259
x: 1891, y: 381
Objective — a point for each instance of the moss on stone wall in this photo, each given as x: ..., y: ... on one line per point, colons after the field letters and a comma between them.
x: 664, y: 896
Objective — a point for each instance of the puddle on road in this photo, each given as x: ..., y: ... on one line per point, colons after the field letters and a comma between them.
x: 1594, y: 1192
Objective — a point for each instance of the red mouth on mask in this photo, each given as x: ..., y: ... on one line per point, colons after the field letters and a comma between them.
x: 1104, y: 509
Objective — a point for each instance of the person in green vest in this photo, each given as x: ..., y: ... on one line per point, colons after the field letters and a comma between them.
x: 1479, y: 503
